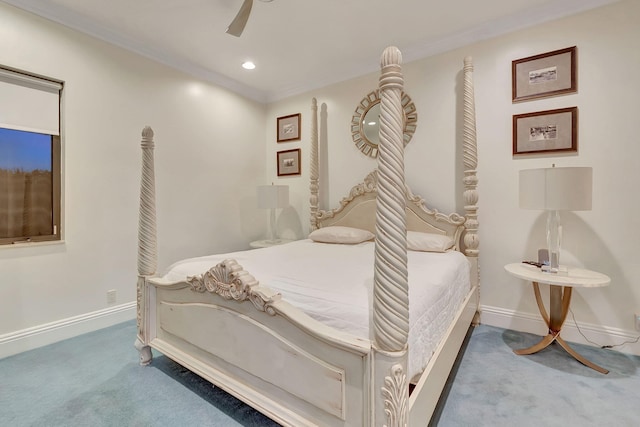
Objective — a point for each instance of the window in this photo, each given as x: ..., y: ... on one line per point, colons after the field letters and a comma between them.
x: 29, y: 157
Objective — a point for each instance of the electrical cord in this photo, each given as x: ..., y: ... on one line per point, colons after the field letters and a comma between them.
x: 600, y: 345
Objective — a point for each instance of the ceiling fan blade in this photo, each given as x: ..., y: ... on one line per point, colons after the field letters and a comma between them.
x: 237, y: 26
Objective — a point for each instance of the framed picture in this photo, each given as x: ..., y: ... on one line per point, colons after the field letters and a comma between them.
x: 289, y: 128
x: 288, y: 162
x: 546, y: 131
x: 544, y: 75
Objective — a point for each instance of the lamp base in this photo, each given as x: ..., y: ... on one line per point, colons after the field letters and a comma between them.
x: 554, y: 240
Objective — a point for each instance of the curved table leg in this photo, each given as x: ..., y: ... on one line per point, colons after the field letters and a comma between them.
x: 579, y: 358
x: 560, y: 300
x: 551, y: 337
x: 546, y: 341
x: 543, y: 311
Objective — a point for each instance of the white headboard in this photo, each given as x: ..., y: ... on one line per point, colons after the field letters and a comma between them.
x: 358, y: 210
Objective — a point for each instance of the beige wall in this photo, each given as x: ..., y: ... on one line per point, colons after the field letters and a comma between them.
x: 602, y: 239
x: 209, y: 159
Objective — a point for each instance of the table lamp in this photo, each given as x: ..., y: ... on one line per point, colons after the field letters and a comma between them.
x: 273, y: 197
x: 554, y: 190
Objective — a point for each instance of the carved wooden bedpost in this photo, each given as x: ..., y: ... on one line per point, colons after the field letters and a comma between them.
x: 390, y: 295
x: 147, y: 243
x: 471, y: 240
x: 313, y: 186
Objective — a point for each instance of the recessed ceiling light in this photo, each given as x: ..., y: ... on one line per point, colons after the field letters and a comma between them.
x: 248, y: 65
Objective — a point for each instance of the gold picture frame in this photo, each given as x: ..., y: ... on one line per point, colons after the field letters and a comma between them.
x: 541, y: 76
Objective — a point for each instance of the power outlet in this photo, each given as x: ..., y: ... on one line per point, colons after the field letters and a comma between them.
x: 111, y: 296
x: 637, y: 316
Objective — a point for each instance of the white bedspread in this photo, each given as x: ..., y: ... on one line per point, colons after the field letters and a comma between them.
x: 334, y: 284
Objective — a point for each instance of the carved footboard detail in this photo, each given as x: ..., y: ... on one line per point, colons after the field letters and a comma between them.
x: 395, y: 403
x: 230, y: 281
x: 247, y: 340
x: 233, y: 336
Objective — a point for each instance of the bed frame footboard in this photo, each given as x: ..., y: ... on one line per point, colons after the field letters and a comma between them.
x: 246, y: 340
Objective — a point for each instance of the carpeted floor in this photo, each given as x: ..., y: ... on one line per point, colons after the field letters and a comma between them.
x: 95, y: 380
x: 495, y: 387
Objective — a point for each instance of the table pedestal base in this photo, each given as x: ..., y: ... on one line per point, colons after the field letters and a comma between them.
x: 560, y: 298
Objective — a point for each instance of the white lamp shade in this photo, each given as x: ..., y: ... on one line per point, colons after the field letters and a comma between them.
x: 273, y: 196
x: 556, y: 188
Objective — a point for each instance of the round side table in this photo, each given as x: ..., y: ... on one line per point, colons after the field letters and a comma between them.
x: 560, y: 287
x: 268, y: 243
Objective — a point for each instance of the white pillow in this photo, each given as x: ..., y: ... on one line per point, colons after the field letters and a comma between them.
x: 428, y: 242
x: 340, y: 234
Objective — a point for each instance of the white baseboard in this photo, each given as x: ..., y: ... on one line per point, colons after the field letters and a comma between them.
x: 598, y: 335
x: 38, y: 336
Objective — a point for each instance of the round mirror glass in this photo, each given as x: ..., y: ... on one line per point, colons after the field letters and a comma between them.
x: 371, y: 124
x: 365, y: 124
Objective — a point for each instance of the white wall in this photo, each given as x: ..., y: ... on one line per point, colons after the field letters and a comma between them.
x: 602, y: 239
x: 216, y: 140
x: 206, y: 204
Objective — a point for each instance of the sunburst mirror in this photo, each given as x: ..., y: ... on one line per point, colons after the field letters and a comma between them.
x: 365, y: 123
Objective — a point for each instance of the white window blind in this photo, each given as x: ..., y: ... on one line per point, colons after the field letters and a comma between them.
x: 29, y: 103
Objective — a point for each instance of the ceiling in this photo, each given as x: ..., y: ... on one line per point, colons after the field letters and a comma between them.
x: 297, y: 45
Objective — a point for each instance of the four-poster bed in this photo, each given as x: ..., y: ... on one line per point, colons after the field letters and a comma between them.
x: 252, y: 339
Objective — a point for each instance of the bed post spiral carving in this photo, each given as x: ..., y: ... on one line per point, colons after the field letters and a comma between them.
x: 390, y: 279
x: 147, y: 244
x: 390, y: 295
x: 313, y: 186
x: 147, y: 241
x: 471, y: 240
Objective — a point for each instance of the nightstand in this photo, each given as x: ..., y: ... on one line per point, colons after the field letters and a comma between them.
x: 560, y: 287
x: 267, y: 243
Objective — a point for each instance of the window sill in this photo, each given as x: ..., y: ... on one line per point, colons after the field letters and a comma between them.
x: 32, y: 244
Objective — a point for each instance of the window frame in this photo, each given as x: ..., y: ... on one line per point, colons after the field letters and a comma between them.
x: 56, y: 173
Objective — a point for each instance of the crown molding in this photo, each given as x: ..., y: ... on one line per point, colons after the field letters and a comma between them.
x: 534, y: 16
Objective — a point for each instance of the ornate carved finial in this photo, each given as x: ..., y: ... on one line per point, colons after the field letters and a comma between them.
x: 391, y: 76
x: 147, y: 132
x: 147, y: 137
x: 391, y: 56
x: 468, y: 63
